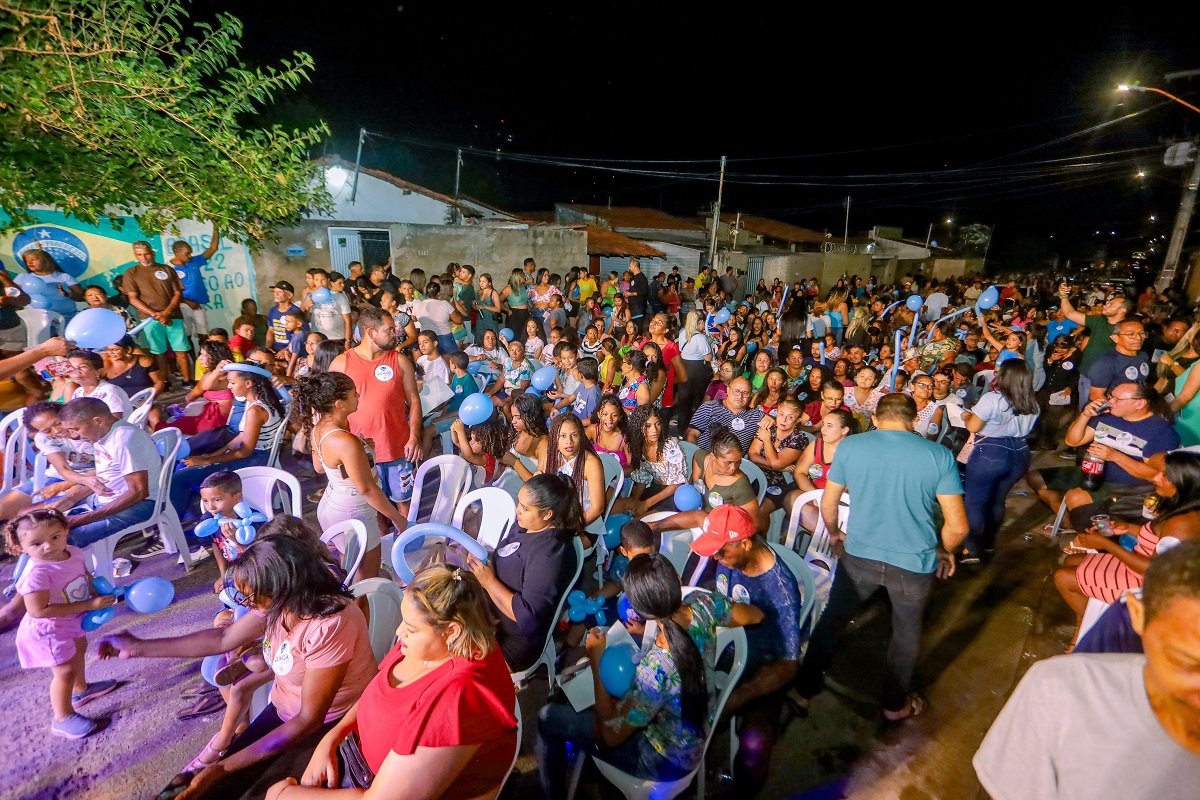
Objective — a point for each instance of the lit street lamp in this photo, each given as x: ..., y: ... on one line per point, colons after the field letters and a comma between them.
x: 1127, y: 87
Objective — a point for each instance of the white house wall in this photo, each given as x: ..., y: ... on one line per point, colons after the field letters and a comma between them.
x: 380, y: 201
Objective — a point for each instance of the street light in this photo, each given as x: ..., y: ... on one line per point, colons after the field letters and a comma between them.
x: 1126, y: 87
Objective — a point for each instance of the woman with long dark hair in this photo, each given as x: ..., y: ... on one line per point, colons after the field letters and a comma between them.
x: 315, y: 639
x: 656, y: 731
x: 657, y: 464
x: 569, y: 453
x: 638, y: 372
x: 529, y: 430
x: 514, y: 299
x: 533, y: 568
x: 999, y: 422
x: 610, y: 430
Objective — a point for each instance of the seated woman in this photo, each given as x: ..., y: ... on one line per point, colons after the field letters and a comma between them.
x: 609, y: 431
x: 657, y: 464
x: 437, y: 719
x: 130, y: 370
x: 257, y: 427
x: 718, y: 388
x: 96, y: 297
x: 637, y: 372
x: 813, y: 465
x: 931, y: 415
x: 657, y: 730
x: 529, y: 575
x: 772, y: 392
x: 569, y: 453
x: 528, y: 447
x: 717, y: 475
x: 68, y: 461
x: 776, y: 448
x: 315, y: 639
x: 88, y: 375
x: 213, y: 387
x: 1108, y: 573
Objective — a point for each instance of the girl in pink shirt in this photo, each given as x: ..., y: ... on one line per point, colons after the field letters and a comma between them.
x: 57, y: 591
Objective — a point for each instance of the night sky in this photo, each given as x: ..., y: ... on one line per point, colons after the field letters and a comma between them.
x: 987, y: 114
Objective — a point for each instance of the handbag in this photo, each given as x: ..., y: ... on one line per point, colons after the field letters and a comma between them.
x: 964, y: 455
x: 355, y: 772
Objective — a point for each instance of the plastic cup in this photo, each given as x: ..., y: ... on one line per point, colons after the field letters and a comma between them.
x: 1102, y: 523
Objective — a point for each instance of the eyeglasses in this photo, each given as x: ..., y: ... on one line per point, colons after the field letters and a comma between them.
x: 1131, y: 397
x: 740, y: 391
x: 1135, y: 335
x: 922, y: 385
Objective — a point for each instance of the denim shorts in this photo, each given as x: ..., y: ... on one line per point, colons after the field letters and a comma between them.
x: 397, y: 477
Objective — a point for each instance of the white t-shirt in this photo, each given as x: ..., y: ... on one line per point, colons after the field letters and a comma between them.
x: 433, y: 315
x: 435, y: 369
x: 1080, y: 727
x: 113, y: 396
x: 696, y: 348
x: 80, y: 454
x: 327, y: 318
x: 124, y: 450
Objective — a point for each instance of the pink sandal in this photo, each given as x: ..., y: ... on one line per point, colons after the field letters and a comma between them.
x: 199, y: 762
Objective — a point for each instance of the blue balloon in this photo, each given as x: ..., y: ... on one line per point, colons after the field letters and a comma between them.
x: 207, y: 528
x: 185, y: 449
x: 576, y: 597
x: 415, y: 533
x: 94, y: 619
x: 40, y: 301
x: 617, y: 668
x: 239, y: 612
x: 322, y: 295
x: 687, y: 498
x: 62, y: 305
x: 612, y: 530
x: 245, y: 533
x: 594, y: 605
x: 95, y: 328
x: 507, y: 334
x: 533, y: 392
x: 544, y: 378
x: 751, y: 347
x: 103, y: 585
x: 243, y: 511
x: 256, y: 518
x: 722, y: 316
x: 227, y: 598
x: 150, y: 595
x: 32, y: 284
x: 625, y: 611
x: 577, y: 613
x: 914, y: 302
x: 476, y: 409
x: 601, y: 619
x: 209, y: 668
x: 616, y: 570
x: 989, y: 298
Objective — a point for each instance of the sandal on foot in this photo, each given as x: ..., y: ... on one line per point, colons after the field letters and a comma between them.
x: 915, y: 706
x: 207, y: 704
x: 200, y: 762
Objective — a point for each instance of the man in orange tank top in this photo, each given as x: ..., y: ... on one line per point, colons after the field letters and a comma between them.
x: 389, y: 405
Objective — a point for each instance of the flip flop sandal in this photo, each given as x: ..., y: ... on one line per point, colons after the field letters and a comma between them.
x: 231, y: 673
x: 915, y: 707
x: 196, y: 691
x: 199, y: 762
x: 208, y: 704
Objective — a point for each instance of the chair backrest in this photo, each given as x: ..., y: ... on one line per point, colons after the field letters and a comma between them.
x: 277, y: 440
x: 454, y: 478
x: 509, y: 481
x: 820, y: 539
x: 689, y: 451
x: 497, y: 513
x: 40, y: 325
x: 258, y: 489
x: 984, y: 377
x: 352, y: 552
x: 141, y: 403
x: 167, y: 441
x: 614, y: 479
x: 741, y: 652
x: 804, y: 577
x: 14, y: 445
x: 383, y: 602
x: 757, y: 477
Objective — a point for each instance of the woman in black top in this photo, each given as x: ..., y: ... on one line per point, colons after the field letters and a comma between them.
x: 1058, y: 397
x: 533, y: 567
x: 132, y: 371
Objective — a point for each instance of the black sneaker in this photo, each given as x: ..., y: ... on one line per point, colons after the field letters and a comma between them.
x: 151, y: 549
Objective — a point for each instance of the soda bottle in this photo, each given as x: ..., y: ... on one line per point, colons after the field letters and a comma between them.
x: 1093, y: 472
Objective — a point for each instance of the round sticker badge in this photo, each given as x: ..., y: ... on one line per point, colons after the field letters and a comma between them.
x: 161, y: 274
x: 741, y: 594
x: 1144, y: 369
x: 384, y: 373
x: 181, y: 274
x: 508, y: 549
x: 723, y: 584
x: 282, y: 663
x: 1068, y: 365
x: 1131, y: 373
x: 738, y: 424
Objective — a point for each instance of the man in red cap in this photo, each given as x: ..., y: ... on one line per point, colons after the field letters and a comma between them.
x: 749, y: 572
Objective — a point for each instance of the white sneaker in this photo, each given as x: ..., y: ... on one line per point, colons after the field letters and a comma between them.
x: 198, y: 553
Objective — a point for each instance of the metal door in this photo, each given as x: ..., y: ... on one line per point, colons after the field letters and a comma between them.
x: 345, y: 245
x: 754, y: 271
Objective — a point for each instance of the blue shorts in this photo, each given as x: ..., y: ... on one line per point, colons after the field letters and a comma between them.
x: 397, y: 477
x: 27, y: 486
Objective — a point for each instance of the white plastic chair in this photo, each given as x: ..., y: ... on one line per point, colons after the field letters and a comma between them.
x: 497, y: 513
x: 40, y: 325
x: 101, y: 553
x: 983, y: 378
x: 641, y: 789
x: 510, y: 482
x: 260, y: 483
x: 383, y: 602
x: 141, y: 402
x: 14, y: 444
x: 277, y: 440
x: 352, y: 554
x: 548, y: 655
x: 689, y: 451
x: 819, y: 543
x: 454, y: 478
x: 1091, y: 615
x: 614, y: 480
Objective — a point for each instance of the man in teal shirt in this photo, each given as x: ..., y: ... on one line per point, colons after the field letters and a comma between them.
x: 894, y: 477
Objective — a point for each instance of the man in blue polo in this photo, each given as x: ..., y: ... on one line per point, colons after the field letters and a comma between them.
x: 195, y: 294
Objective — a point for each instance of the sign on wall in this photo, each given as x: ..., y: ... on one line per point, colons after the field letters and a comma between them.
x: 95, y: 254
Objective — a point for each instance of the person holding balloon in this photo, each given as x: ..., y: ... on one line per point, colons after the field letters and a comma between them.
x: 57, y: 592
x: 42, y: 265
x: 651, y: 717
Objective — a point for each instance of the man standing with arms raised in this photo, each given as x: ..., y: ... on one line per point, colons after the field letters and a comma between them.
x: 156, y: 292
x: 1101, y: 327
x: 195, y: 294
x: 389, y: 405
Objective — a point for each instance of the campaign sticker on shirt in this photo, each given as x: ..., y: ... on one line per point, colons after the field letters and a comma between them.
x: 1068, y: 365
x: 738, y: 424
x: 1144, y: 368
x: 741, y: 594
x: 961, y: 392
x: 161, y: 274
x: 1131, y: 373
x: 282, y: 663
x: 723, y: 584
x: 774, y: 490
x: 384, y: 373
x: 508, y: 549
x: 715, y: 499
x: 181, y: 274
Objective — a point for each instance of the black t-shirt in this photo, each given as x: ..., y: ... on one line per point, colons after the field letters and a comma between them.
x: 637, y: 303
x: 538, y: 568
x: 1062, y: 374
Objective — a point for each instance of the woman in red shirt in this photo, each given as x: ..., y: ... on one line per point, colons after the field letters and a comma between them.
x: 437, y: 720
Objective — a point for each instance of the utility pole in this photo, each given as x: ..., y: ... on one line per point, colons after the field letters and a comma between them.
x: 712, y: 239
x: 1186, y: 204
x: 362, y: 135
x: 457, y: 176
x: 846, y: 231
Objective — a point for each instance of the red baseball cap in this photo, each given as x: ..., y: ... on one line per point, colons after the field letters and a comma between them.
x: 725, y: 523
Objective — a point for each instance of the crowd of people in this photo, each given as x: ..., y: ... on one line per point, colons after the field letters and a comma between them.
x: 918, y: 405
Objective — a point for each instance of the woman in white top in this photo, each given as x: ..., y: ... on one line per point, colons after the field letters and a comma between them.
x: 569, y: 452
x: 436, y: 315
x: 87, y: 369
x: 696, y: 351
x: 324, y: 402
x: 1000, y: 421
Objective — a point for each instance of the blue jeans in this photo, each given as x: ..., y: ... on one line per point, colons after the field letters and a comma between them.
x: 561, y: 727
x: 446, y: 343
x: 185, y: 484
x: 995, y: 465
x: 93, y: 532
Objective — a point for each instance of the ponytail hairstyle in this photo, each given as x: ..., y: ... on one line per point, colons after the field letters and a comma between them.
x: 557, y: 494
x: 12, y: 529
x: 654, y: 592
x: 653, y: 367
x: 722, y: 440
x: 585, y: 449
x: 315, y: 395
x: 443, y: 595
x: 637, y: 362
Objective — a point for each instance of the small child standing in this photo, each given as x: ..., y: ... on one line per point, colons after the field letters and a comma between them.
x: 462, y: 384
x: 219, y: 493
x: 293, y: 323
x: 57, y: 591
x: 587, y: 396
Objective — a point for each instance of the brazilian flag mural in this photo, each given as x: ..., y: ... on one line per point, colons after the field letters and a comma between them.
x: 95, y: 254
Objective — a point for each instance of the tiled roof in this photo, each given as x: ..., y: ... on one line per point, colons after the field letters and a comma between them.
x: 601, y: 242
x: 635, y: 217
x: 772, y: 229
